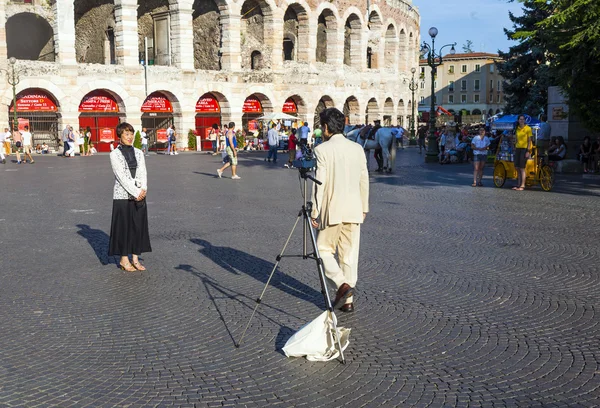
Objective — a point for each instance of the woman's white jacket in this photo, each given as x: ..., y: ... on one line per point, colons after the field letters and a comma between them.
x: 127, y: 187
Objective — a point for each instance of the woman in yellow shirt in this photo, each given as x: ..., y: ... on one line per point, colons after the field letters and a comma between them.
x: 522, y: 151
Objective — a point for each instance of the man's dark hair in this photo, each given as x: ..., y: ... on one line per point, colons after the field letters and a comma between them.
x: 544, y: 118
x: 26, y: 127
x: 231, y: 125
x: 333, y: 119
x: 215, y: 126
x: 122, y: 127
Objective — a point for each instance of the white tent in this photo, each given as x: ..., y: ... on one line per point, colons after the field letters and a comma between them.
x: 277, y: 116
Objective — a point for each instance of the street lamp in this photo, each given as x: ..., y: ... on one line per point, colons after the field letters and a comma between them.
x: 413, y: 86
x: 434, y: 60
x: 13, y: 77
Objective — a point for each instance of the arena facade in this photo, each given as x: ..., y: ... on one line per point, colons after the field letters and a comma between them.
x: 84, y: 62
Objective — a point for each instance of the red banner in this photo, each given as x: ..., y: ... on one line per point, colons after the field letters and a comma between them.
x: 23, y: 123
x: 98, y: 101
x: 36, y: 101
x: 290, y: 106
x: 252, y: 125
x: 207, y: 104
x: 252, y: 105
x: 157, y: 102
x: 161, y: 136
x: 107, y: 135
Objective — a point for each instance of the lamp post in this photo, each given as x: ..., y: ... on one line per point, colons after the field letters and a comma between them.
x: 413, y: 87
x: 434, y: 60
x: 13, y: 77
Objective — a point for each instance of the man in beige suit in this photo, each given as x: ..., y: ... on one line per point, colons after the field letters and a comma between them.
x: 340, y: 205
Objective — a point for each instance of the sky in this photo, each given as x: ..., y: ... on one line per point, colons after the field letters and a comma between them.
x: 481, y: 21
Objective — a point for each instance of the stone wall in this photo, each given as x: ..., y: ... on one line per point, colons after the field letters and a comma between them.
x: 207, y: 35
x: 145, y: 21
x: 92, y: 19
x: 253, y: 34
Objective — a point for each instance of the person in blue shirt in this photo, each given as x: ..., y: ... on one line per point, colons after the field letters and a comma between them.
x: 303, y: 134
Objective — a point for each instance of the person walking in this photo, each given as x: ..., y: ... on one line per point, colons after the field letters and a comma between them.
x: 273, y: 139
x: 303, y: 134
x: 523, y: 147
x: 292, y: 149
x: 480, y: 145
x: 174, y: 141
x: 340, y: 205
x: 144, y: 137
x: 129, y: 223
x: 421, y: 138
x: 3, y: 149
x: 543, y: 135
x: 27, y: 138
x: 7, y: 142
x: 87, y: 140
x: 231, y: 149
x: 170, y: 137
x: 18, y: 140
x: 65, y: 139
x: 213, y: 135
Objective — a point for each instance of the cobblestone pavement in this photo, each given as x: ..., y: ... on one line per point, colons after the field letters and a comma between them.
x: 467, y: 296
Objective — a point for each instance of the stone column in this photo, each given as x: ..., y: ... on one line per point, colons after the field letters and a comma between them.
x: 274, y: 37
x: 64, y: 32
x: 126, y: 36
x: 230, y: 38
x: 3, y: 47
x: 182, y: 35
x: 307, y: 41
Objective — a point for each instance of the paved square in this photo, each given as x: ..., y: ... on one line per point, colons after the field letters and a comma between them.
x: 466, y: 296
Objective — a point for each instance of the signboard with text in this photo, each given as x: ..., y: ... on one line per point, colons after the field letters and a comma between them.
x: 290, y: 107
x: 207, y: 104
x: 161, y: 136
x: 98, y: 101
x: 34, y: 102
x: 107, y: 135
x: 157, y: 103
x: 252, y: 105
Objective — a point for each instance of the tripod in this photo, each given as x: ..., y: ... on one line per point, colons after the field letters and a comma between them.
x: 304, y: 213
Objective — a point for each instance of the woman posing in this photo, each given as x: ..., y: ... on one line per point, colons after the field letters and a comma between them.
x: 129, y: 225
x: 480, y: 145
x: 523, y: 147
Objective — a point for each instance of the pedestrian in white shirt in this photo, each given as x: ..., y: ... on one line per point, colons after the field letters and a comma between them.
x: 480, y: 145
x: 273, y: 137
x: 2, y: 140
x: 27, y: 137
x: 6, y: 143
x: 144, y: 136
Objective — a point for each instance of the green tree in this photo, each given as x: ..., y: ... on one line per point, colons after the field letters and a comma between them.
x: 137, y: 142
x: 570, y: 31
x: 192, y: 140
x: 468, y: 47
x: 525, y: 66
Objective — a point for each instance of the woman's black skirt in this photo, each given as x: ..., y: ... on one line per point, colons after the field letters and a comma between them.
x: 129, y: 228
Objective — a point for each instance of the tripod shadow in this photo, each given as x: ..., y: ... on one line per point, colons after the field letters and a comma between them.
x: 237, y: 262
x: 218, y: 292
x: 98, y: 240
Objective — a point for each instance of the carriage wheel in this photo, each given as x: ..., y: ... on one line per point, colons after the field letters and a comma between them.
x: 546, y: 177
x: 499, y: 175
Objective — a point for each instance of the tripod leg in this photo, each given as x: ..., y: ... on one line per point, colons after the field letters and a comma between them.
x: 269, y: 280
x: 324, y: 283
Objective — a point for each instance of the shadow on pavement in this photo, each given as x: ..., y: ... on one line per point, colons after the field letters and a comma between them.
x: 237, y: 262
x: 98, y: 240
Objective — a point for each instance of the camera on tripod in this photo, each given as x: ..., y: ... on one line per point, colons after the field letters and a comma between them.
x: 307, y: 161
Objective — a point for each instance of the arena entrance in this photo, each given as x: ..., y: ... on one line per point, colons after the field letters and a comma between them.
x: 38, y: 109
x: 208, y: 113
x: 100, y: 112
x: 157, y: 116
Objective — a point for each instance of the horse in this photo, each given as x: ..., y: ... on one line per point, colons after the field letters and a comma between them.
x: 385, y: 139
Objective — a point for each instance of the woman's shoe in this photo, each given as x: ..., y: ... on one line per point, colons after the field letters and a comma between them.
x: 128, y: 267
x: 139, y: 266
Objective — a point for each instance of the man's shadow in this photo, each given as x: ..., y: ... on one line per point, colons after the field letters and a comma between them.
x: 98, y: 240
x: 217, y: 292
x: 238, y: 262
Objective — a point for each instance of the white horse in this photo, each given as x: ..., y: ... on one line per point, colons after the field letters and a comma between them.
x: 385, y: 139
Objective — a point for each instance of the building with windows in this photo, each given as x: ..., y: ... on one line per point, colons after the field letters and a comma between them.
x: 192, y: 63
x: 465, y: 83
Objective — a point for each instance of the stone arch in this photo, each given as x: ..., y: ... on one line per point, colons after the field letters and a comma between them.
x: 296, y: 33
x: 400, y: 113
x: 256, y: 31
x: 208, y: 36
x: 411, y: 51
x: 327, y: 28
x: 30, y: 37
x: 352, y: 110
x: 402, y: 50
x: 372, y: 111
x: 476, y: 112
x: 224, y: 104
x: 159, y: 52
x: 124, y: 100
x: 352, y: 41
x: 300, y: 104
x: 375, y: 25
x: 491, y: 112
x: 256, y: 60
x: 175, y: 101
x: 388, y: 112
x: 324, y: 102
x: 391, y: 45
x: 95, y: 28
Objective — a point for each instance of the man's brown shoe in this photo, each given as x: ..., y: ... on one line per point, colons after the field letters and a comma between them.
x: 347, y: 308
x: 344, y: 292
